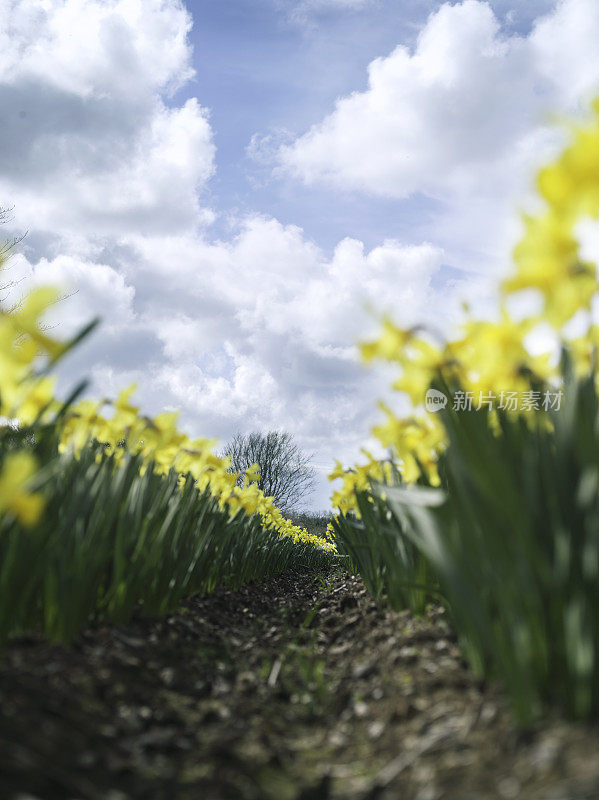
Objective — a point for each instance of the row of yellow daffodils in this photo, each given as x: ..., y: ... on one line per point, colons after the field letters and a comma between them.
x: 491, y: 357
x: 160, y: 442
x: 27, y: 395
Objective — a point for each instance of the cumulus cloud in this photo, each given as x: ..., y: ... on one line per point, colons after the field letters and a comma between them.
x: 465, y: 109
x: 270, y: 304
x: 80, y: 47
x: 270, y: 277
x: 89, y: 289
x: 462, y: 119
x: 86, y: 139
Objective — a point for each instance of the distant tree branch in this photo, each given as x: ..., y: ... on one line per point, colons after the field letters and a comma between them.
x: 286, y: 472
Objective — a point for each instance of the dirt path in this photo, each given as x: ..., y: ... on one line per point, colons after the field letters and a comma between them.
x: 296, y: 689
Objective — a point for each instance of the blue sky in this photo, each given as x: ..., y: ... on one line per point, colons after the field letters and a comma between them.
x: 240, y: 189
x: 261, y: 70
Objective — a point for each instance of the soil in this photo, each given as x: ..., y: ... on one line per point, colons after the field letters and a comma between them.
x: 298, y: 688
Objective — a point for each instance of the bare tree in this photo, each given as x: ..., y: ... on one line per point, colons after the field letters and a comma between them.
x: 285, y: 471
x: 8, y: 244
x: 6, y: 249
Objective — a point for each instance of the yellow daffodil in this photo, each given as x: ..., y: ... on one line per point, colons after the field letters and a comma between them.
x: 15, y: 498
x: 491, y: 357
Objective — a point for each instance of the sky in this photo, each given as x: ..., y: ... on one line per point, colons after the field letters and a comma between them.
x: 241, y: 189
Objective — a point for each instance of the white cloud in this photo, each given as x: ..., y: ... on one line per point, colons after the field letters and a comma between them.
x: 564, y: 48
x: 465, y: 109
x: 429, y: 118
x: 88, y: 288
x: 270, y: 278
x: 80, y: 47
x: 464, y: 118
x: 86, y: 141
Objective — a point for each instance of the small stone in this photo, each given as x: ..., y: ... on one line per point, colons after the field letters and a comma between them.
x: 360, y: 708
x: 430, y: 792
x: 167, y: 675
x: 337, y: 739
x: 421, y: 703
x: 408, y: 653
x: 488, y: 713
x: 544, y: 754
x: 508, y: 788
x: 362, y: 670
x: 375, y: 729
